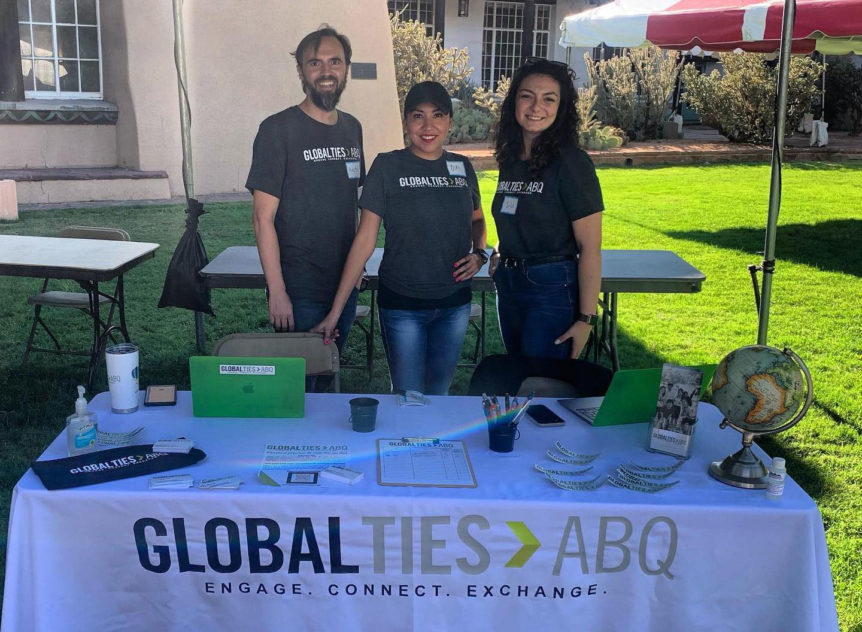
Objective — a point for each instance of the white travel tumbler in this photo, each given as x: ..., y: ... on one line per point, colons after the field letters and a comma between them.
x: 122, y: 363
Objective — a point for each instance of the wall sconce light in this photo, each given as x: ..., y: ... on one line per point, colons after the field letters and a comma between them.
x: 463, y: 8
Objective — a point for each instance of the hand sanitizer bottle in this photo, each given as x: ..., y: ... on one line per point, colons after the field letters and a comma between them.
x: 81, y: 427
x: 775, y: 479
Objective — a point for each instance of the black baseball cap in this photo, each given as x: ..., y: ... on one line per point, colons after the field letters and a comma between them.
x: 428, y: 92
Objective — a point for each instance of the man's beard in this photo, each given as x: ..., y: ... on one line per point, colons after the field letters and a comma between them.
x: 324, y: 100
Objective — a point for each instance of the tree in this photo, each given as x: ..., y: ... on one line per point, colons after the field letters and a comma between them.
x: 740, y: 101
x: 422, y: 58
x: 633, y: 89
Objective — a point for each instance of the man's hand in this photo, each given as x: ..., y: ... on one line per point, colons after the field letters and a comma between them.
x: 466, y: 268
x: 578, y: 333
x: 280, y: 311
x: 327, y: 327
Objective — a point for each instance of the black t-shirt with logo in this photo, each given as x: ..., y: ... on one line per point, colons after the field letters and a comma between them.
x: 534, y: 217
x: 315, y: 170
x: 427, y: 211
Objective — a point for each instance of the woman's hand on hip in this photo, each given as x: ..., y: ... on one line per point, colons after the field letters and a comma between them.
x: 466, y: 268
x: 578, y: 333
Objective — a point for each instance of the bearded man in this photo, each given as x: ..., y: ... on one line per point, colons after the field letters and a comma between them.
x: 307, y: 168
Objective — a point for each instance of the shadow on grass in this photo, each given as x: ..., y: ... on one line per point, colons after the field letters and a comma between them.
x: 829, y: 245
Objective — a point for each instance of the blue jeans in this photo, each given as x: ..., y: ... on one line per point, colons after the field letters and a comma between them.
x: 307, y: 313
x: 423, y: 346
x: 536, y: 305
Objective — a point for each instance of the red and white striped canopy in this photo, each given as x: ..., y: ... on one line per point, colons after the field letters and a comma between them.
x: 832, y: 27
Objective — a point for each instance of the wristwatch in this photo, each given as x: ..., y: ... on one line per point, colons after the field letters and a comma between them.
x: 482, y: 255
x: 590, y: 319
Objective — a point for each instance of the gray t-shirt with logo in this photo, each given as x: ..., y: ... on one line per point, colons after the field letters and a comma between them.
x: 315, y: 170
x: 427, y: 209
x: 534, y: 216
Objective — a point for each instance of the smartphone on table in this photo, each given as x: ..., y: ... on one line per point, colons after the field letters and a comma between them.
x: 543, y: 416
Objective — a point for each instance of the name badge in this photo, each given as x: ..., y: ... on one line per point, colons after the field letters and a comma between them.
x: 353, y: 169
x: 510, y: 205
x: 456, y: 168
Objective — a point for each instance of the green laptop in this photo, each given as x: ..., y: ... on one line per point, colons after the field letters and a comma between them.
x: 247, y: 387
x: 631, y: 397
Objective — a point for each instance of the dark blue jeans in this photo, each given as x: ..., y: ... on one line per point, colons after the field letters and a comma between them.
x: 423, y: 346
x: 536, y: 305
x: 307, y: 313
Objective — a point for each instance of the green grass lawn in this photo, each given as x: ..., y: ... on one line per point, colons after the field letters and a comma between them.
x: 712, y: 216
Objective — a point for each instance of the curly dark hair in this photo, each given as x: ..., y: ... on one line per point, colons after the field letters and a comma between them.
x: 564, y: 130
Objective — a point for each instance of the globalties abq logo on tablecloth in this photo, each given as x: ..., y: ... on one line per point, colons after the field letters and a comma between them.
x: 438, y: 556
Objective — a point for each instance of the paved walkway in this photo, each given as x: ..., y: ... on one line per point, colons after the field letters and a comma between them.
x: 699, y: 145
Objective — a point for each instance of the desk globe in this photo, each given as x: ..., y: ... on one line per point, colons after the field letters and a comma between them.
x: 759, y: 391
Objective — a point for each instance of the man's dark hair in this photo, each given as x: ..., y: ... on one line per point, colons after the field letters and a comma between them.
x: 312, y: 42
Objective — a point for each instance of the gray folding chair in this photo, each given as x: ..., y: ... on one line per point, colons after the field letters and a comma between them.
x: 363, y: 314
x: 83, y: 301
x: 320, y: 359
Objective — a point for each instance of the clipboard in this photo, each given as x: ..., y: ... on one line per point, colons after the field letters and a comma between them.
x: 424, y: 463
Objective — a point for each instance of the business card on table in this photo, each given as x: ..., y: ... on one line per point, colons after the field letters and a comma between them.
x: 172, y: 481
x: 178, y: 446
x: 117, y: 439
x: 222, y: 482
x: 412, y: 398
x: 341, y: 474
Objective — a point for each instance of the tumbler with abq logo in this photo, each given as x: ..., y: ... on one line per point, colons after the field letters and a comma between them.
x: 122, y: 364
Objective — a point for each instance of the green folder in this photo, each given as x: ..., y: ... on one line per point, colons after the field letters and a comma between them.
x: 247, y: 387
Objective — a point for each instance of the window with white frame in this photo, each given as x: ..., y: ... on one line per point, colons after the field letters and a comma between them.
x: 60, y: 48
x: 420, y: 10
x: 501, y: 38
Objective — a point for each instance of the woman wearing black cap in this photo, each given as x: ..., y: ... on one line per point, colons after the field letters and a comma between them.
x: 428, y: 201
x: 547, y: 209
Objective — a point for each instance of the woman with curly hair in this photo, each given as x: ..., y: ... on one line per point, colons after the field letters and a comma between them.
x: 548, y: 264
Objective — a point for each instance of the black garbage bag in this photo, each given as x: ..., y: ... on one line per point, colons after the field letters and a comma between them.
x: 184, y: 287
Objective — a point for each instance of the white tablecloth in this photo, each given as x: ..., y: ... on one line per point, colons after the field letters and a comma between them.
x: 700, y: 556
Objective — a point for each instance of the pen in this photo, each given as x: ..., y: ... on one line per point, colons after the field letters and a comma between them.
x: 518, y: 415
x: 508, y: 403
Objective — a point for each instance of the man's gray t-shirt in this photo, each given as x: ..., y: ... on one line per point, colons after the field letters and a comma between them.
x: 315, y: 170
x: 427, y: 211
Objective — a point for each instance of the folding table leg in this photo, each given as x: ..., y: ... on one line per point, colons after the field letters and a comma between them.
x: 612, y: 347
x: 92, y: 288
x: 370, y: 350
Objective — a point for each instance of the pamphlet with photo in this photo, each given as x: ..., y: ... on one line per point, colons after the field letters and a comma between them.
x: 672, y: 428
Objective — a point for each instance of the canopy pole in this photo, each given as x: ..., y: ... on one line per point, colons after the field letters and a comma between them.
x: 768, y: 264
x: 185, y: 133
x: 185, y: 114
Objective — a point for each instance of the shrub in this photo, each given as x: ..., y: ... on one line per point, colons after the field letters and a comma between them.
x: 491, y: 101
x: 740, y: 102
x: 592, y: 134
x: 470, y: 124
x: 844, y: 95
x: 422, y: 58
x: 633, y: 89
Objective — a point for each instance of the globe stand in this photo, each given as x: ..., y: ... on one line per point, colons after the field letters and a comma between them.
x: 742, y: 468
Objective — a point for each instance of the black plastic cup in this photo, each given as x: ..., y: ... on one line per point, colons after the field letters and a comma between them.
x: 363, y: 413
x: 501, y: 437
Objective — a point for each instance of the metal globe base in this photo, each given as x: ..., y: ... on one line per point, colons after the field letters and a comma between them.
x: 741, y: 469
